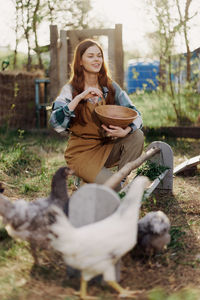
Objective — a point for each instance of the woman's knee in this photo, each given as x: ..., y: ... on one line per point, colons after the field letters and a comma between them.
x: 137, y: 137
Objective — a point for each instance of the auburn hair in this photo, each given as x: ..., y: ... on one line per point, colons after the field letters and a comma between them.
x: 77, y: 78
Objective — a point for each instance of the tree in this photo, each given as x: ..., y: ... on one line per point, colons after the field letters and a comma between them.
x: 172, y: 22
x: 184, y: 21
x: 31, y: 14
x: 17, y: 27
x: 35, y: 21
x: 25, y: 7
x: 68, y: 14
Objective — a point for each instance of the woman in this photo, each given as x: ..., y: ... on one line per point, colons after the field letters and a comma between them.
x: 89, y: 152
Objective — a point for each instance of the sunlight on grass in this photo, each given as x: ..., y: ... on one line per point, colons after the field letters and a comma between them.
x: 184, y: 294
x: 157, y: 108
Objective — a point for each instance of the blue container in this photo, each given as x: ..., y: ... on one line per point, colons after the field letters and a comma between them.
x: 142, y: 75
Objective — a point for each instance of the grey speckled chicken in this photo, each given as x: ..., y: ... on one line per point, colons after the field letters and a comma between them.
x: 26, y: 220
x: 95, y: 248
x: 153, y: 232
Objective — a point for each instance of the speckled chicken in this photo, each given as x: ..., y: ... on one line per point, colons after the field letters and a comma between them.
x: 26, y: 220
x: 153, y: 232
x: 95, y: 248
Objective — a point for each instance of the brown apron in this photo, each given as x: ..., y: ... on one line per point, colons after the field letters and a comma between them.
x: 87, y: 150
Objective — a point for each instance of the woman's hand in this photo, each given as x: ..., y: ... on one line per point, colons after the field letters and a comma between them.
x: 116, y: 131
x: 88, y: 93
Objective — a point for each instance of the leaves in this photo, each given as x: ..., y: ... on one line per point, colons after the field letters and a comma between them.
x: 151, y: 169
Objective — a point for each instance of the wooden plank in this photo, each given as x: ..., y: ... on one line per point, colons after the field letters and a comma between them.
x: 73, y: 37
x: 89, y: 33
x: 111, y: 53
x: 176, y: 131
x: 63, y: 59
x: 194, y: 161
x: 54, y: 62
x: 119, y: 56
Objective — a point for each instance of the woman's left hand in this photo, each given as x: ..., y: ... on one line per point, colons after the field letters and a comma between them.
x: 116, y: 131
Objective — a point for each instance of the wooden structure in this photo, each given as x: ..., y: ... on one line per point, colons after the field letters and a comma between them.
x: 62, y: 47
x: 187, y: 166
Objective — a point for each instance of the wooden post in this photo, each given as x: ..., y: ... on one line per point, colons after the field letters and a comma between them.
x: 111, y: 52
x: 119, y: 56
x: 63, y: 59
x: 73, y: 38
x: 54, y: 62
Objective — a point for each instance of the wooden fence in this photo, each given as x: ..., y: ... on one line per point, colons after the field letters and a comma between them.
x: 17, y: 99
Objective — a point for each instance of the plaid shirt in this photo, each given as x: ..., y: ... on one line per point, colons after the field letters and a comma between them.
x: 61, y: 115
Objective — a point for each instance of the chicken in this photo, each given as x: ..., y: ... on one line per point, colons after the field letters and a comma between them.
x: 153, y: 232
x: 26, y: 220
x: 95, y: 248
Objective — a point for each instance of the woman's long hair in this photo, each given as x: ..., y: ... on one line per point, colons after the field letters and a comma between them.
x: 77, y: 78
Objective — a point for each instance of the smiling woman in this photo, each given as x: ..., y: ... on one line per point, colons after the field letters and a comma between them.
x: 92, y: 60
x: 94, y: 147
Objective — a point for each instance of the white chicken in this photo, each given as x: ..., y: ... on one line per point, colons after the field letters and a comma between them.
x: 153, y: 232
x: 94, y: 249
x: 26, y: 220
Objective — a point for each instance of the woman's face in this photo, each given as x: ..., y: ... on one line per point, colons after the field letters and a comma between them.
x: 92, y: 59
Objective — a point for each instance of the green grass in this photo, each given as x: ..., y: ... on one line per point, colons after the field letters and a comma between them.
x: 184, y: 294
x: 29, y: 161
x: 157, y: 109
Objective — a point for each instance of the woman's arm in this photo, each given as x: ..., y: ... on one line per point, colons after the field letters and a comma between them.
x: 61, y: 114
x: 121, y: 98
x: 64, y: 106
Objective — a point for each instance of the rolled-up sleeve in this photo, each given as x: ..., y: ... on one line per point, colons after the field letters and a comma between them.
x: 122, y: 98
x: 61, y: 115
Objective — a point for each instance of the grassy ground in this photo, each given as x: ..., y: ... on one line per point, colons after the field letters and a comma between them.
x: 27, y: 163
x: 157, y: 108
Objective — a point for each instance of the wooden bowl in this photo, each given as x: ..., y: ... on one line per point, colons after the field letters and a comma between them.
x: 116, y: 115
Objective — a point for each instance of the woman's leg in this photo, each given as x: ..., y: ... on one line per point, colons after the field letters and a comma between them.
x: 125, y: 149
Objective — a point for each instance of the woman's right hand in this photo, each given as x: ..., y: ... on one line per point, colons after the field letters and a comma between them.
x: 90, y: 92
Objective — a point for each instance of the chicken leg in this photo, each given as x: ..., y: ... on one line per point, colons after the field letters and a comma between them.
x: 123, y: 292
x: 83, y: 291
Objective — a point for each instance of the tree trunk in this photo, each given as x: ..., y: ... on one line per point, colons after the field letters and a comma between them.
x: 187, y: 5
x: 37, y: 49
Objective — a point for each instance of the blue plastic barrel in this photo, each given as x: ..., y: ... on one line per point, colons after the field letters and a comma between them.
x: 142, y: 75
